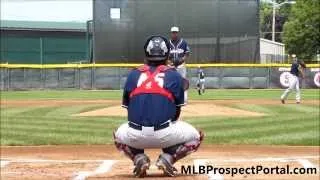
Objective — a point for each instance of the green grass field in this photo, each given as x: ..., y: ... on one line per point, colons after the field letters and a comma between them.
x: 288, y: 124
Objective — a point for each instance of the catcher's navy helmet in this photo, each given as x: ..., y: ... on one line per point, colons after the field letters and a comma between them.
x: 157, y: 48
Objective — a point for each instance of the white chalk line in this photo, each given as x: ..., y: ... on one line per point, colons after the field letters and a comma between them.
x: 211, y: 176
x: 235, y: 160
x: 50, y: 161
x: 267, y: 159
x: 4, y: 163
x: 307, y: 164
x: 103, y: 168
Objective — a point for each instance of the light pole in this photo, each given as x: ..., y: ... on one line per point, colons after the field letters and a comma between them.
x: 274, y: 6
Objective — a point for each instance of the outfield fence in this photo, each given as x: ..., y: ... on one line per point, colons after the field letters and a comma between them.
x: 113, y: 76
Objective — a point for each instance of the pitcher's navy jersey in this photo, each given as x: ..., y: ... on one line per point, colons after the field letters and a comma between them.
x: 200, y: 74
x: 153, y: 109
x: 177, y: 50
x: 295, y: 68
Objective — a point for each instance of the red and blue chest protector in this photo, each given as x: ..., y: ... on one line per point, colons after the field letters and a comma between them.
x: 152, y: 94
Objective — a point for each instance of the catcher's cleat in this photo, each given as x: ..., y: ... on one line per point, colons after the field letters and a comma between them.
x: 164, y: 163
x: 142, y: 164
x: 282, y: 101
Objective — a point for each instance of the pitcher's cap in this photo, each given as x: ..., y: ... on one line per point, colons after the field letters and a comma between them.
x: 174, y: 29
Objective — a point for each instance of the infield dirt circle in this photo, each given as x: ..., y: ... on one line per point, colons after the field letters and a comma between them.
x: 79, y: 162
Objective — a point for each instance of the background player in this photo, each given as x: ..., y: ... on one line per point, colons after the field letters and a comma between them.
x: 153, y: 95
x: 297, y: 69
x: 201, y: 81
x: 179, y: 51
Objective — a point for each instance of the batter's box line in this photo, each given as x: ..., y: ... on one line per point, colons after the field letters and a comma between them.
x: 267, y: 159
x: 4, y: 163
x: 104, y: 167
x: 307, y: 164
x: 52, y: 161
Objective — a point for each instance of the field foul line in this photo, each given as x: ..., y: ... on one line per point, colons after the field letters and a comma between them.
x: 268, y: 159
x: 50, y: 161
x: 103, y: 168
x: 211, y: 176
x: 4, y: 163
x: 307, y: 164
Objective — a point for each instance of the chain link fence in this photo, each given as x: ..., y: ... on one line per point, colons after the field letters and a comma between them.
x: 25, y: 78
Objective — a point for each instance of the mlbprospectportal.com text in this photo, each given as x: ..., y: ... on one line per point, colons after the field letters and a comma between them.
x: 250, y: 170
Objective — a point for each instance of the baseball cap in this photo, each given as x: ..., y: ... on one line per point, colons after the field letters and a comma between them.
x: 174, y: 29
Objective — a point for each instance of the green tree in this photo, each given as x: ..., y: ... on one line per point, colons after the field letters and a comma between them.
x: 282, y: 15
x: 302, y: 30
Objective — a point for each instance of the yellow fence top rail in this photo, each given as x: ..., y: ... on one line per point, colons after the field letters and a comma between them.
x: 48, y: 66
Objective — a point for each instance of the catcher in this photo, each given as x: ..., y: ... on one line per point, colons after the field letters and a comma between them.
x: 153, y: 95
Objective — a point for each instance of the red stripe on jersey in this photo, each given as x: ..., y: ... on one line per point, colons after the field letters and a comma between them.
x: 150, y: 86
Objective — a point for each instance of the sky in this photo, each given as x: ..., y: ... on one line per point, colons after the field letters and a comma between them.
x: 46, y: 10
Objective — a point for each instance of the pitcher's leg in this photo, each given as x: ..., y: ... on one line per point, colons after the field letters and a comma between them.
x: 185, y: 96
x: 183, y: 72
x: 203, y: 85
x: 284, y: 96
x: 298, y: 96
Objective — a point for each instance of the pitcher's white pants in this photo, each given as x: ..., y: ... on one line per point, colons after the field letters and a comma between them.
x: 293, y: 84
x: 182, y: 70
x: 178, y: 132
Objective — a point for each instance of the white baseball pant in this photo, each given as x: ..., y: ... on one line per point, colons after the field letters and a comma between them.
x: 293, y: 84
x: 178, y: 132
x: 182, y: 70
x: 201, y: 83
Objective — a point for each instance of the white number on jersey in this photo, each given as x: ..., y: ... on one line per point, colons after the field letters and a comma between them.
x: 158, y: 78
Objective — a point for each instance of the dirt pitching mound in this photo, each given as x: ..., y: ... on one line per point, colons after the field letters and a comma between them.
x: 191, y: 110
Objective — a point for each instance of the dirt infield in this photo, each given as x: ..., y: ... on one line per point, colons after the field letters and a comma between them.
x: 104, y: 162
x: 194, y: 109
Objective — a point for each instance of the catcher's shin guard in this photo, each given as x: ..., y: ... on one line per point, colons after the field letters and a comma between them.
x: 180, y: 151
x: 129, y: 151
